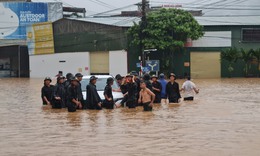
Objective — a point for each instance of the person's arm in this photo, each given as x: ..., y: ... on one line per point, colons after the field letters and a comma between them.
x: 195, y: 89
x: 178, y: 90
x: 96, y: 97
x: 182, y: 88
x: 87, y: 91
x: 126, y: 94
x: 105, y: 94
x: 167, y: 90
x: 55, y: 91
x: 152, y: 95
x: 44, y: 98
x: 116, y: 90
x: 156, y: 89
x: 140, y: 97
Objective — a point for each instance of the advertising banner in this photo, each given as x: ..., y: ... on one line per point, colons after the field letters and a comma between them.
x: 15, y: 16
x: 40, y: 38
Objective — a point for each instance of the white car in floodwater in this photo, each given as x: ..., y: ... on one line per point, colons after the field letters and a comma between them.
x: 100, y: 85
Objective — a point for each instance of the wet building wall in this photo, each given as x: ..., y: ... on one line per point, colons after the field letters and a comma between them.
x: 74, y: 35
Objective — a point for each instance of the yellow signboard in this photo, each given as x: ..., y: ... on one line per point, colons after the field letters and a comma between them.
x: 40, y: 38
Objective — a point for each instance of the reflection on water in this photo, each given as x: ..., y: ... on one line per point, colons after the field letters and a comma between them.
x: 223, y: 120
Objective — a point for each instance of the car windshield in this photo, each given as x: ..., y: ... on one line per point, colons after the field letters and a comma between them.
x: 101, y: 84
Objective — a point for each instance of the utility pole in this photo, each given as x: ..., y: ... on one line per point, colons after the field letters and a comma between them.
x: 143, y: 26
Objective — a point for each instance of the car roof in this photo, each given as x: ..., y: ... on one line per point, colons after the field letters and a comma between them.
x: 98, y: 76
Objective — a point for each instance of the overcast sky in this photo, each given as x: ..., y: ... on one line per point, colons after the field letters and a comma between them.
x: 218, y: 7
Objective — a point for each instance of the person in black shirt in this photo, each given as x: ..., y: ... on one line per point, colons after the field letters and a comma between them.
x: 73, y: 96
x: 157, y: 87
x: 132, y: 91
x: 137, y: 81
x: 47, y: 91
x: 80, y: 95
x: 66, y: 84
x: 173, y: 90
x: 124, y: 90
x: 109, y: 101
x: 59, y: 94
x: 119, y: 79
x: 93, y: 99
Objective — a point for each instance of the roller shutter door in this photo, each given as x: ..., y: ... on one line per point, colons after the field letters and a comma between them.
x: 205, y: 65
x: 99, y: 62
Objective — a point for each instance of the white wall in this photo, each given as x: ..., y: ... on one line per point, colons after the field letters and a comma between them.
x: 118, y: 62
x: 49, y: 65
x: 214, y: 39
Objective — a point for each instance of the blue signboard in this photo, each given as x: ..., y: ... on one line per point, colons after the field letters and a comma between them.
x: 153, y: 65
x: 14, y: 17
x: 145, y: 69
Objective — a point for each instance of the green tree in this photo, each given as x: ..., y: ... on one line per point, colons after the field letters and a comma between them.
x: 246, y: 57
x: 256, y: 54
x: 166, y: 30
x: 231, y: 55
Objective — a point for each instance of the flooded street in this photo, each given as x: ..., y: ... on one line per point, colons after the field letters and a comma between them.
x: 224, y: 120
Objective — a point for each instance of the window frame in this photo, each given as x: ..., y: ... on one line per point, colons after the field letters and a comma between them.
x: 247, y: 41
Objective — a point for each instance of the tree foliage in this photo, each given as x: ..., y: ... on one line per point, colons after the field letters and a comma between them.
x: 166, y: 29
x: 256, y: 55
x: 231, y: 55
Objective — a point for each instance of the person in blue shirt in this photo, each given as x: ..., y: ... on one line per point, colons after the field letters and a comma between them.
x: 163, y: 91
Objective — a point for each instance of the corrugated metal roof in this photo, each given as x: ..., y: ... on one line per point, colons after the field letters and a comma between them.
x: 10, y: 42
x: 228, y: 20
x: 205, y: 21
x: 115, y: 21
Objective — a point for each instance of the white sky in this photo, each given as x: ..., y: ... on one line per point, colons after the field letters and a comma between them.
x: 246, y: 7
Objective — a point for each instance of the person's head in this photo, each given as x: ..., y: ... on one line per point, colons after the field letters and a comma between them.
x: 69, y: 76
x: 119, y: 78
x: 74, y: 81
x: 161, y: 76
x: 79, y: 76
x: 110, y: 81
x: 93, y: 80
x: 154, y: 78
x: 146, y: 77
x: 60, y: 79
x: 142, y: 85
x: 172, y: 77
x: 123, y: 81
x: 129, y: 78
x: 47, y: 81
x: 188, y: 78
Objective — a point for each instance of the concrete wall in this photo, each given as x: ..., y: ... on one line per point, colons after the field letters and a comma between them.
x: 49, y: 65
x: 118, y: 62
x: 214, y: 39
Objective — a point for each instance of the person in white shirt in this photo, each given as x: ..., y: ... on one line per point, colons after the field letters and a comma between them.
x: 189, y: 89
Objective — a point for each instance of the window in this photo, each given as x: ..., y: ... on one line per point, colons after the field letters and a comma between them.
x: 251, y: 35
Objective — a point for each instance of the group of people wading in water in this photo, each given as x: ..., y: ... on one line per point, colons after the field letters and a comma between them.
x: 145, y: 91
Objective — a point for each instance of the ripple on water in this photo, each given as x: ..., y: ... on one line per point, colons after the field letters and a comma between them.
x: 224, y: 119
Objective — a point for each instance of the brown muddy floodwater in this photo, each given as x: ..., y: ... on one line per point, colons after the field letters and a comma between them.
x: 224, y: 120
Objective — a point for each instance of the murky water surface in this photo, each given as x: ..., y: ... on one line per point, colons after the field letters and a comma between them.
x: 223, y: 120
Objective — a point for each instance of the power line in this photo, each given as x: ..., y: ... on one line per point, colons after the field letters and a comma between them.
x: 218, y: 5
x: 102, y: 4
x: 121, y: 8
x: 105, y: 3
x: 237, y: 2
